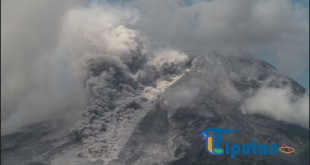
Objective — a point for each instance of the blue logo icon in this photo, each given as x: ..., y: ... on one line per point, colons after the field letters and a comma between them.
x: 213, y: 143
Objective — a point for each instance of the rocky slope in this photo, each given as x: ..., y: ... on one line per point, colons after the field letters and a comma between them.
x: 166, y: 131
x: 169, y: 133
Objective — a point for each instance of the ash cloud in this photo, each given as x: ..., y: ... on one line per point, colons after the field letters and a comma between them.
x: 115, y: 68
x: 32, y: 84
x: 81, y: 51
x: 107, y: 52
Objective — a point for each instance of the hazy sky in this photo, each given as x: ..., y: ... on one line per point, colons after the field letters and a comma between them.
x: 303, y: 77
x: 275, y: 30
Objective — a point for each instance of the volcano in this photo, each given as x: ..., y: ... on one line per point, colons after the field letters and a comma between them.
x: 164, y: 130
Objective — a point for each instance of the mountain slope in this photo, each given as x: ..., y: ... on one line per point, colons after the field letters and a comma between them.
x: 208, y: 96
x: 169, y: 133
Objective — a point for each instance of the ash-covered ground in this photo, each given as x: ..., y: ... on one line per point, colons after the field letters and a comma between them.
x: 127, y: 125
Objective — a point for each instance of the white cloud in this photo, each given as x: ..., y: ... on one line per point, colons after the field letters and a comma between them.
x: 277, y: 103
x: 182, y: 96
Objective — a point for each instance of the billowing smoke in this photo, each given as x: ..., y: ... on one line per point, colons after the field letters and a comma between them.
x: 55, y: 55
x: 281, y: 104
x: 35, y: 82
x: 182, y: 96
x: 118, y: 71
x: 118, y: 57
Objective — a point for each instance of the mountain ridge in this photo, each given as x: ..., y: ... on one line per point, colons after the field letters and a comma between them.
x: 207, y: 96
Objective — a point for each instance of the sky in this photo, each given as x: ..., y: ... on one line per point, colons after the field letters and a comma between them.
x: 280, y: 39
x: 303, y: 77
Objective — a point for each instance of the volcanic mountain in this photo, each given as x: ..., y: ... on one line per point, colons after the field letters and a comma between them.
x: 165, y: 130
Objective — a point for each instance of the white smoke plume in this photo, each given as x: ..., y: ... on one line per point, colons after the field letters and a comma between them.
x: 35, y: 82
x: 182, y: 96
x: 281, y: 104
x: 168, y: 57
